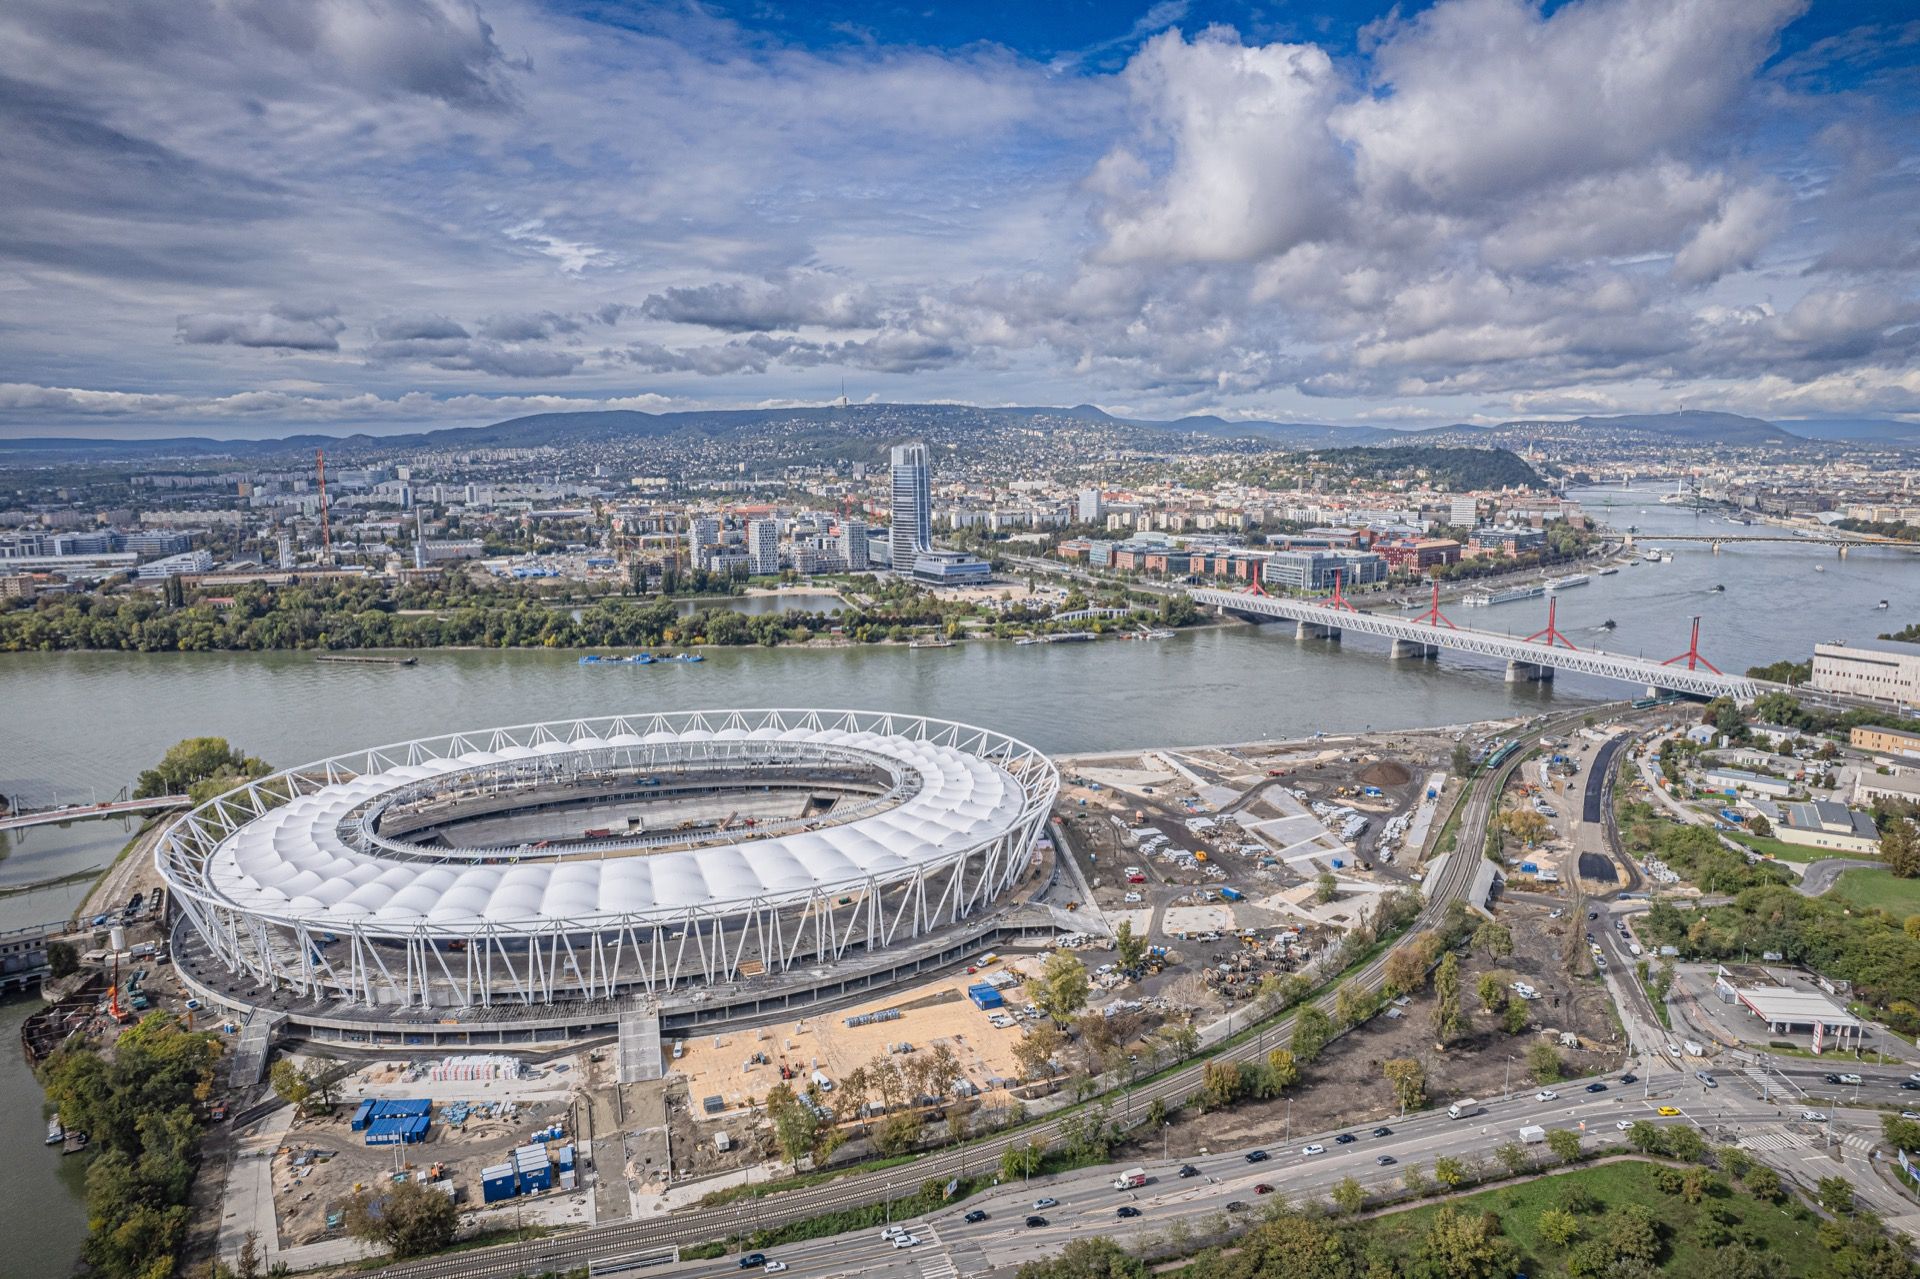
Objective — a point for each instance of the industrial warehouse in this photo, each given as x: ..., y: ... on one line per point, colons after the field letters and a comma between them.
x: 706, y: 859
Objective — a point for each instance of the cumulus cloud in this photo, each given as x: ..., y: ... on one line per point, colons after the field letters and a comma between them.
x: 786, y: 302
x: 283, y: 327
x: 442, y: 343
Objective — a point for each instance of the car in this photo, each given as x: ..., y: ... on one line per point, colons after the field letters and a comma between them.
x: 1629, y: 1078
x: 775, y: 1267
x: 1126, y: 1210
x: 1555, y: 913
x: 1188, y: 1170
x: 1546, y: 1094
x: 1593, y: 914
x: 1591, y: 943
x: 1849, y: 1079
x: 1257, y: 1156
x: 1596, y: 1086
x: 1263, y: 1189
x: 1034, y: 1223
x: 1915, y: 1076
x: 749, y: 1260
x: 1666, y: 1111
x: 1908, y: 1083
x: 976, y: 1216
x: 906, y: 1241
x: 892, y: 1231
x: 1910, y: 1114
x: 1315, y: 1149
x: 1346, y: 1139
x: 1385, y: 1160
x: 1132, y: 899
x: 1835, y: 1079
x: 1047, y: 1201
x: 1623, y: 1124
x: 1383, y: 1131
x: 1706, y: 1079
x: 1673, y: 1051
x: 1236, y: 1205
x: 1813, y: 1116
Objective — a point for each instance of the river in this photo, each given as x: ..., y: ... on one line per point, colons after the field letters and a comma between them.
x: 76, y: 724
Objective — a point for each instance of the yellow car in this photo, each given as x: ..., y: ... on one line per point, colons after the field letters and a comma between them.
x: 1667, y: 1111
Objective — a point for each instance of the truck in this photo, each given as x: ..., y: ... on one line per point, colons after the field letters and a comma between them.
x: 1694, y: 1048
x: 1465, y: 1109
x: 1131, y: 1179
x: 1532, y: 1135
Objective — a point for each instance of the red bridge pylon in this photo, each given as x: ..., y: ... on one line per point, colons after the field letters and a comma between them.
x: 1692, y: 656
x: 1433, y: 616
x: 1337, y: 600
x: 1552, y: 633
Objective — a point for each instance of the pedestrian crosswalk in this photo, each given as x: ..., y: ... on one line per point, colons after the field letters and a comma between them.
x: 936, y: 1265
x: 1772, y: 1139
x: 1854, y: 1141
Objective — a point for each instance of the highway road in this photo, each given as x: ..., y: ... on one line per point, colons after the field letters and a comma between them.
x: 1086, y: 1203
x: 857, y: 1189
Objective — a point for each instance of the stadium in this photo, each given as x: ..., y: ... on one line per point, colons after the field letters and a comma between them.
x: 698, y: 858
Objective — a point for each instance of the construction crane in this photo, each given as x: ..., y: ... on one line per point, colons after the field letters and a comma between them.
x: 326, y: 533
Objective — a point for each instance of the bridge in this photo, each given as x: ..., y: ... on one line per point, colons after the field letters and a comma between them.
x: 1718, y: 540
x: 79, y: 812
x: 1536, y: 658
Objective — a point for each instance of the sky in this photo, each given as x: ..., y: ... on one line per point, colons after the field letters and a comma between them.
x: 249, y: 217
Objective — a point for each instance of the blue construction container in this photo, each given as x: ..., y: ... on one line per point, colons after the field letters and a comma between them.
x: 398, y: 1130
x: 985, y: 996
x: 563, y: 1158
x: 1232, y: 894
x: 1529, y: 868
x: 363, y: 1115
x: 534, y: 1180
x: 498, y: 1182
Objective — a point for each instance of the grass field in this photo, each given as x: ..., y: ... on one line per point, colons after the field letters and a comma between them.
x: 1781, y: 850
x: 1787, y: 1231
x: 1898, y: 897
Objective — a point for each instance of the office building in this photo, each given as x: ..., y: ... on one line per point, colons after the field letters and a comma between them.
x: 1886, y: 741
x: 1463, y: 511
x: 1319, y: 570
x: 763, y: 548
x: 1091, y: 506
x: 911, y: 507
x: 703, y: 538
x: 853, y: 545
x: 1886, y: 670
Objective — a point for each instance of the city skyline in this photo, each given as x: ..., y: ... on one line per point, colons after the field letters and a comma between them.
x: 404, y: 216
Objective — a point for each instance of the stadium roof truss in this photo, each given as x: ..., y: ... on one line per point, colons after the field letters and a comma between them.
x: 292, y: 886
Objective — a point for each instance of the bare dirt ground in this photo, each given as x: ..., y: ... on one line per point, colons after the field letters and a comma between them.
x: 1345, y: 1086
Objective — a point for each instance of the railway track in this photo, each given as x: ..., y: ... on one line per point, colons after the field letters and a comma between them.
x: 696, y: 1225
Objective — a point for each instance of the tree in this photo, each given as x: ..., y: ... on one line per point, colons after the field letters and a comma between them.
x: 1763, y: 1183
x: 1737, y: 1261
x: 201, y: 767
x: 1220, y: 1085
x: 898, y: 1133
x: 1645, y: 1137
x: 1760, y: 826
x: 1565, y: 1145
x: 1133, y: 950
x: 1462, y: 759
x: 1281, y: 1072
x: 1349, y: 1196
x: 796, y: 1128
x: 1543, y: 1063
x: 1352, y: 1005
x: 406, y: 1218
x: 63, y: 959
x: 1900, y: 847
x: 1495, y: 939
x: 1036, y: 1049
x: 1449, y: 1023
x: 1062, y: 987
x: 1835, y: 1194
x: 1096, y: 1258
x: 1525, y: 825
x: 1414, y: 1180
x: 1325, y: 887
x: 1405, y: 971
x: 1311, y: 1031
x: 1448, y: 1171
x: 1901, y: 1134
x: 1020, y: 1161
x: 1558, y: 1227
x: 1463, y: 1245
x: 290, y: 1083
x: 1409, y: 1080
x: 1514, y: 1157
x: 1493, y: 992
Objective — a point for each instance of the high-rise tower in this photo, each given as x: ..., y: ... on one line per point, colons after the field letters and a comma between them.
x: 911, y: 507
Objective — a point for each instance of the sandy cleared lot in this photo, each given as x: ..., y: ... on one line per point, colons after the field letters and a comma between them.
x: 936, y: 1013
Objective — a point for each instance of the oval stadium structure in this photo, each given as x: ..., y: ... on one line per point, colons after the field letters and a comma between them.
x: 578, y: 862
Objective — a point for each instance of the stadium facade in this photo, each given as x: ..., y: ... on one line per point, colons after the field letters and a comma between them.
x: 455, y: 874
